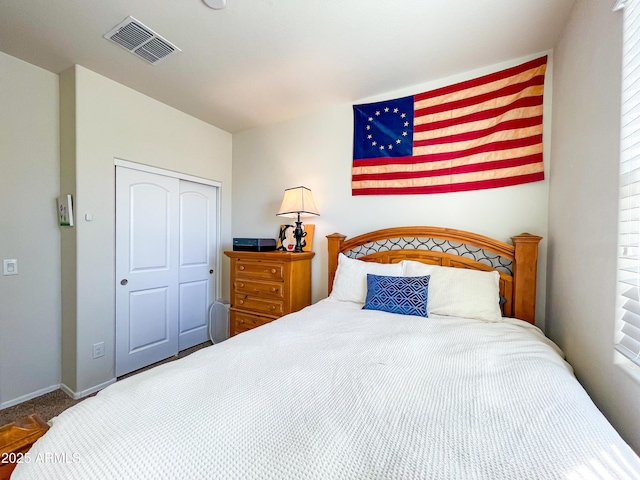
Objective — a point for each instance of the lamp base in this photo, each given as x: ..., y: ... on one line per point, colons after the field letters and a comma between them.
x: 297, y: 233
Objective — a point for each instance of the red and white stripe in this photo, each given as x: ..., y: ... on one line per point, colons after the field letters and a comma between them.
x: 482, y: 133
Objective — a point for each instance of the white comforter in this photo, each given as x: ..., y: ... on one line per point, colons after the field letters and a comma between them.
x: 338, y: 392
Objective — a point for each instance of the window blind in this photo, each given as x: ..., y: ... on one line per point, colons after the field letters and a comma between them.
x: 629, y: 223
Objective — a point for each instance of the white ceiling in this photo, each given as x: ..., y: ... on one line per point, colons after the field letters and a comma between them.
x: 259, y: 62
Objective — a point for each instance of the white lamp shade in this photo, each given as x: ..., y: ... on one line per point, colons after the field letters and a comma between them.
x: 296, y: 201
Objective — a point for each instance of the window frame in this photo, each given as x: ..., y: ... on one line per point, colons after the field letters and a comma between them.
x: 628, y: 318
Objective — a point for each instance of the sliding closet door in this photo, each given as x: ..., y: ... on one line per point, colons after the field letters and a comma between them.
x: 198, y: 259
x: 147, y: 270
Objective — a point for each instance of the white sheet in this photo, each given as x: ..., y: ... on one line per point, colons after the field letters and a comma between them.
x: 338, y: 392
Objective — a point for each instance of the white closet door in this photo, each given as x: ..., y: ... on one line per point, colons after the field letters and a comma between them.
x: 198, y: 252
x: 147, y: 270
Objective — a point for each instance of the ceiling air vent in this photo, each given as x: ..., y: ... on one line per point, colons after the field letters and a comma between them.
x: 141, y: 41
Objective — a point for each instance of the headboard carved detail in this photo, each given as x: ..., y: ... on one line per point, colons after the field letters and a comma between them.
x: 516, y: 264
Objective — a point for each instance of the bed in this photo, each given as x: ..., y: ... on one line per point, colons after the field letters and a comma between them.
x: 341, y: 391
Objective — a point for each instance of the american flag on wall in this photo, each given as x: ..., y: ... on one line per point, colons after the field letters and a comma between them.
x: 482, y: 133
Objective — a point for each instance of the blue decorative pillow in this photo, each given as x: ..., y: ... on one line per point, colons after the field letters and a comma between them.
x: 403, y: 295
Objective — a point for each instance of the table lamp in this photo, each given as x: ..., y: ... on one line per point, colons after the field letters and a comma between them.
x: 297, y: 202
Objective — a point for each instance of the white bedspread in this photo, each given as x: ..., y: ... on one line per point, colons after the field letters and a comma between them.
x: 337, y: 392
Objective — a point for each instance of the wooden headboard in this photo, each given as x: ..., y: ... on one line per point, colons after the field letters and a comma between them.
x: 517, y: 263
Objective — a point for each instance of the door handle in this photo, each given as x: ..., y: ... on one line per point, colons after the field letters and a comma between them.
x: 124, y: 281
x: 211, y: 272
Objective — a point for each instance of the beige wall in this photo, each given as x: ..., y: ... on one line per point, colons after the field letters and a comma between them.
x: 68, y: 242
x: 316, y: 151
x: 113, y: 121
x: 583, y: 211
x: 29, y: 186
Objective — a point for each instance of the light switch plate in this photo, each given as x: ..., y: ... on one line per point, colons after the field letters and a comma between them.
x: 98, y: 350
x: 10, y: 266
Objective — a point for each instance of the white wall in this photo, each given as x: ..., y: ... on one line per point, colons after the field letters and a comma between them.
x: 29, y: 178
x: 316, y: 151
x: 583, y: 210
x: 113, y: 121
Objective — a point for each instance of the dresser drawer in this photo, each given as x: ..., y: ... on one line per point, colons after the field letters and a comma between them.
x: 241, y: 322
x: 259, y: 270
x: 258, y: 305
x: 267, y: 285
x: 262, y: 289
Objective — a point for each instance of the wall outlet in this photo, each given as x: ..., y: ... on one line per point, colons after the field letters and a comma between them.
x: 98, y: 350
x: 10, y: 267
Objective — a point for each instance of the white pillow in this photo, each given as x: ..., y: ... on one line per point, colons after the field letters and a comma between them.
x: 459, y: 292
x: 350, y: 282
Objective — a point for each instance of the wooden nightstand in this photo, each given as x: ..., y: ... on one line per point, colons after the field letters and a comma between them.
x: 266, y: 286
x: 16, y: 439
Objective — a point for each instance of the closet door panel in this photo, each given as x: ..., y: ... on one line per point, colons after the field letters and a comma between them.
x: 198, y: 260
x: 147, y: 218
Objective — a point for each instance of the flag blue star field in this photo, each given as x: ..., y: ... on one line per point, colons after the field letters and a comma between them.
x: 482, y: 133
x: 383, y: 129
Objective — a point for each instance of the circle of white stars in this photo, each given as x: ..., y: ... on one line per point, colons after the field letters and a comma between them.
x: 398, y: 141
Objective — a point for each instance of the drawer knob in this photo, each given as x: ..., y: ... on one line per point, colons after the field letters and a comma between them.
x: 241, y: 267
x: 241, y: 302
x: 272, y: 307
x: 273, y: 270
x: 241, y: 285
x: 274, y: 289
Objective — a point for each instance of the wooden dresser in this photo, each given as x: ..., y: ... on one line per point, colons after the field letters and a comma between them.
x: 266, y: 286
x: 15, y: 441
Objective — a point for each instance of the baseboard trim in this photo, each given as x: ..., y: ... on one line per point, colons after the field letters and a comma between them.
x: 29, y: 396
x: 68, y: 391
x: 88, y: 391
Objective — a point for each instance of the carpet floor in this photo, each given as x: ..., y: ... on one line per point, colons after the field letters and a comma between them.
x: 52, y: 404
